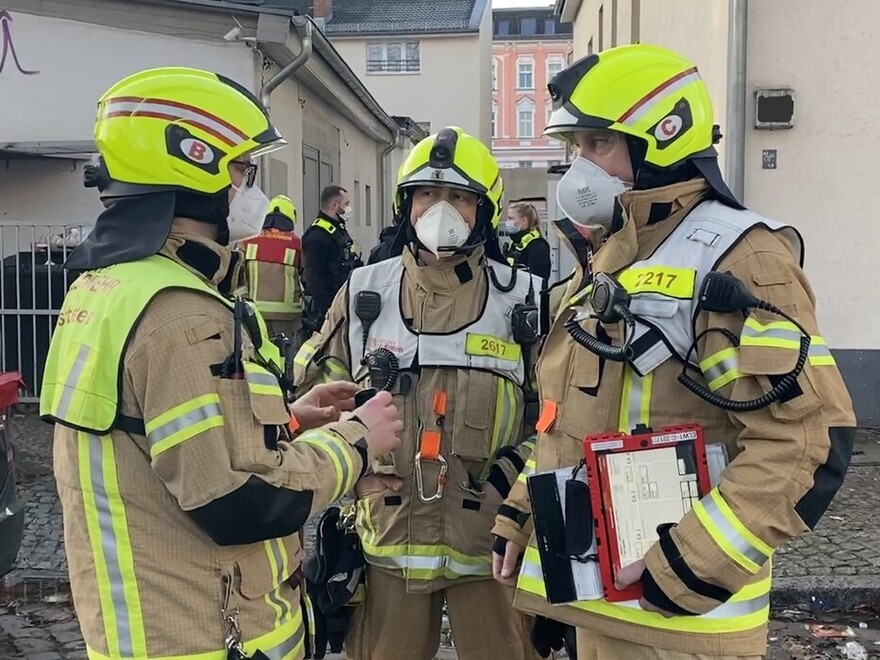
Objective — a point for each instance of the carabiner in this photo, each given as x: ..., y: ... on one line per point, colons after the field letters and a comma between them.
x: 441, y: 478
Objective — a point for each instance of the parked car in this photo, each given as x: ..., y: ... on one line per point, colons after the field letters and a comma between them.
x: 11, y: 508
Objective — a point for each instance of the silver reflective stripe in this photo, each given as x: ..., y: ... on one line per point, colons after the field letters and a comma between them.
x: 721, y: 368
x: 184, y: 421
x: 819, y: 350
x: 631, y: 408
x: 723, y: 611
x: 79, y: 364
x: 411, y: 562
x: 282, y: 604
x: 110, y: 545
x: 771, y: 333
x: 286, y: 647
x: 260, y: 378
x: 735, y: 538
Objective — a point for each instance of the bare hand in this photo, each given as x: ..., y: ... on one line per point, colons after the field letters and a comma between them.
x: 379, y: 415
x: 323, y: 404
x: 377, y: 483
x: 505, y: 569
x: 630, y: 575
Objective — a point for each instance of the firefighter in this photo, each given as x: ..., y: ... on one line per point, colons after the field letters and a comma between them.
x: 183, y: 495
x: 329, y: 255
x: 458, y: 377
x: 659, y: 218
x: 273, y: 262
x: 527, y: 249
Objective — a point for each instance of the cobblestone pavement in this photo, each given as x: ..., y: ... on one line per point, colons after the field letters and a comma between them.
x: 835, y: 568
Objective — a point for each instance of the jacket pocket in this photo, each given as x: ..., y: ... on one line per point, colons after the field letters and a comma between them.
x: 575, y: 413
x: 474, y: 417
x: 266, y: 569
x: 252, y: 419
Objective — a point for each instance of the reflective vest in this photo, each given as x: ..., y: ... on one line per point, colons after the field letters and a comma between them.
x: 431, y: 544
x: 82, y: 390
x: 83, y: 378
x: 664, y: 290
x: 516, y: 249
x: 351, y: 252
x: 273, y: 278
x: 487, y: 343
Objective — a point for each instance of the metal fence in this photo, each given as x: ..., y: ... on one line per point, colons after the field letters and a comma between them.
x: 32, y: 288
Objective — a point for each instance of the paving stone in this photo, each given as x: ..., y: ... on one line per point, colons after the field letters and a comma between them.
x: 844, y: 546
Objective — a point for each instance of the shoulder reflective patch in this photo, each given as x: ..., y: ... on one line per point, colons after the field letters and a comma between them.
x: 665, y: 280
x: 489, y: 346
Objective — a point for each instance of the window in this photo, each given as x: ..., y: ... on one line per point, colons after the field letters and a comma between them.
x: 549, y: 26
x: 503, y: 28
x: 601, y: 28
x: 524, y: 70
x: 554, y: 66
x: 494, y: 73
x: 524, y: 164
x: 368, y: 206
x: 590, y: 47
x: 547, y: 113
x: 394, y: 57
x: 529, y: 27
x: 525, y: 111
x: 494, y: 120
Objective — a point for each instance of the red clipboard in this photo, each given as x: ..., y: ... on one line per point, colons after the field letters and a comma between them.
x: 618, y: 466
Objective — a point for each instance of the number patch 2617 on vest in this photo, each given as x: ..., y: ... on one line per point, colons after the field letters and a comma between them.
x: 667, y: 281
x: 492, y: 347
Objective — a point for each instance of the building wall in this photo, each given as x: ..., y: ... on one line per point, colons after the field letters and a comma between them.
x: 508, y: 146
x: 824, y: 163
x: 443, y: 92
x: 64, y: 94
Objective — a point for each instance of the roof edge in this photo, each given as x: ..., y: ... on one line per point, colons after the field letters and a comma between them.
x: 478, y: 12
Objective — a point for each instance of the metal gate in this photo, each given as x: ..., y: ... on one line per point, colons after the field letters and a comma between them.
x: 32, y: 288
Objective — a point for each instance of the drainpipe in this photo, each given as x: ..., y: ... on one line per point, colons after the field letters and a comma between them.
x: 272, y: 84
x: 386, y: 176
x: 738, y: 18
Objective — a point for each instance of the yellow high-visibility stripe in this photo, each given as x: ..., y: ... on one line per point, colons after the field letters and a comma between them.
x: 635, y: 400
x: 527, y: 471
x: 183, y: 422
x: 747, y: 609
x: 338, y: 452
x: 777, y: 334
x: 731, y: 535
x: 107, y: 525
x: 285, y: 642
x: 427, y: 562
x: 304, y: 355
x: 502, y: 431
x: 721, y: 368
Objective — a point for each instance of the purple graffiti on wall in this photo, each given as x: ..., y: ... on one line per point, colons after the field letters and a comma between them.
x: 9, y: 44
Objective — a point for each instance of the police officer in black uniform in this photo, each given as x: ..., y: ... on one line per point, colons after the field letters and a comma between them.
x: 329, y: 255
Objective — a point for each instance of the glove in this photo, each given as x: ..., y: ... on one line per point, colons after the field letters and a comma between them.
x: 549, y: 635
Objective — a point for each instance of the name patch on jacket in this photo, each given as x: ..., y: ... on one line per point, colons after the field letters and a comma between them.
x: 492, y: 347
x: 665, y: 280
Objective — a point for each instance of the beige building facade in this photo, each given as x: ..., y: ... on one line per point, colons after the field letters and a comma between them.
x: 428, y: 60
x: 795, y: 92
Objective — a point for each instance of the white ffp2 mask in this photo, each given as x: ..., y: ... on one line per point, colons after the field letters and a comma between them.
x: 247, y: 213
x: 586, y: 194
x: 442, y: 230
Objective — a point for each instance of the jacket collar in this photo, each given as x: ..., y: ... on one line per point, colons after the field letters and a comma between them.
x: 336, y: 222
x: 649, y: 216
x: 215, y: 264
x: 447, y: 274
